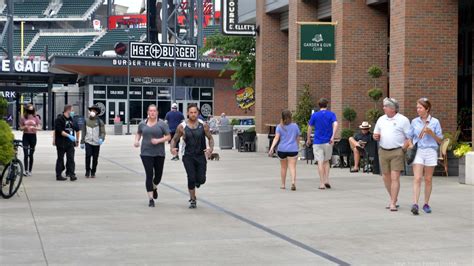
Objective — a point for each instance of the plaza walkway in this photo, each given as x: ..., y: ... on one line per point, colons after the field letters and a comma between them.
x: 243, y: 218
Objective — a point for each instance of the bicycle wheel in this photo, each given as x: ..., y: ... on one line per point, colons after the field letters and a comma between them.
x: 12, y: 176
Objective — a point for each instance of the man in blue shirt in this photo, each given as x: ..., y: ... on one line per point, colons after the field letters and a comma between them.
x: 174, y: 118
x: 325, y: 127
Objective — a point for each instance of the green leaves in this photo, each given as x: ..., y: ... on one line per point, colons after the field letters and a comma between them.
x: 6, y: 143
x: 241, y: 50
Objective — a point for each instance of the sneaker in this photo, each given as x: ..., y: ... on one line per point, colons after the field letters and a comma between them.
x: 175, y: 158
x: 25, y: 173
x: 427, y: 208
x: 60, y: 178
x: 87, y: 175
x: 73, y: 178
x: 151, y: 203
x: 155, y: 193
x: 414, y: 209
x: 192, y: 204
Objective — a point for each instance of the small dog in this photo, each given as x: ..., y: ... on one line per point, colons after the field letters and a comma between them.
x: 214, y: 156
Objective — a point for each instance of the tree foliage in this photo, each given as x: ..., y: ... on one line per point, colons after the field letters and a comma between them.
x: 242, y: 51
x: 303, y: 109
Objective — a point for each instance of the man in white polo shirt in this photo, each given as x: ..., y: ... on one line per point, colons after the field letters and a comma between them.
x: 392, y: 131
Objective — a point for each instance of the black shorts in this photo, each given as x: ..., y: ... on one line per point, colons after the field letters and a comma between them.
x: 283, y: 154
x: 196, y: 166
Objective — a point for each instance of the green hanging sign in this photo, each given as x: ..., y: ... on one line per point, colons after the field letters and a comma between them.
x: 317, y: 42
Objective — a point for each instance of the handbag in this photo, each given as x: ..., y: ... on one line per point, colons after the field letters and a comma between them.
x: 411, y: 153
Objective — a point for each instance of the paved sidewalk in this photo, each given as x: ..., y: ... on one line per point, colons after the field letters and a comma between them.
x: 242, y: 216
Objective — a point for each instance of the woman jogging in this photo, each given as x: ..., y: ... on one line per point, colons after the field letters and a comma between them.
x: 288, y: 134
x: 154, y: 133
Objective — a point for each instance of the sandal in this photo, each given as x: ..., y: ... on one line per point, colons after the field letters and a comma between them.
x: 322, y: 187
x: 327, y: 185
x: 354, y: 170
x: 293, y: 187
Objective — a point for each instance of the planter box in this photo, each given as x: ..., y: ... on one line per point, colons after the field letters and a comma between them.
x: 462, y: 170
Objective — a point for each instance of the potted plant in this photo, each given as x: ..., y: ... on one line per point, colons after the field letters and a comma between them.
x: 375, y: 94
x: 349, y: 115
x: 460, y: 152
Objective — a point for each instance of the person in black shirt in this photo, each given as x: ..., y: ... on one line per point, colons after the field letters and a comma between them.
x: 66, y: 134
x: 358, y: 143
x: 194, y: 134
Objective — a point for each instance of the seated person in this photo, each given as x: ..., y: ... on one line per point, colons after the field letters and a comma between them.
x: 358, y: 143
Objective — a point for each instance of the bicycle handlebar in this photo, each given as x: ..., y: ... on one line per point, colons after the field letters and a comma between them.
x: 17, y: 143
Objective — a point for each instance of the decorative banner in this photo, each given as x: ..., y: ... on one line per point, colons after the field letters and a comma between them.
x: 245, y: 97
x: 317, y: 42
x: 230, y: 20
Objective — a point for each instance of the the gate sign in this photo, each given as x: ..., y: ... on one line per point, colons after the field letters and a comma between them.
x: 230, y: 18
x: 317, y: 43
x: 154, y: 51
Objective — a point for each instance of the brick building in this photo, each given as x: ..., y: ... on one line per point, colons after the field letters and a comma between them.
x: 423, y: 47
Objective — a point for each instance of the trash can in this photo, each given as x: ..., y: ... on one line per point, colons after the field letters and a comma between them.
x: 226, y: 137
x: 118, y: 128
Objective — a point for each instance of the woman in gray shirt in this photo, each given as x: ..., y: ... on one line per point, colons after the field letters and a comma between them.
x: 154, y: 133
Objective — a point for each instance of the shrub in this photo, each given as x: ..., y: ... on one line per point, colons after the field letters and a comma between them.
x: 6, y: 143
x: 235, y: 122
x: 349, y: 114
x: 373, y: 114
x: 347, y: 133
x: 3, y: 107
x: 374, y: 72
x: 462, y: 150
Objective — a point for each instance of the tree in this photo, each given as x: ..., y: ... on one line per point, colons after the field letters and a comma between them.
x: 242, y: 52
x: 374, y: 93
x: 303, y: 110
x: 349, y: 115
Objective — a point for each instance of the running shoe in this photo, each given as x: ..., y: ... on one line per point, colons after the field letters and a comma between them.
x: 414, y: 209
x: 151, y: 203
x: 427, y: 208
x: 192, y: 204
x: 155, y: 193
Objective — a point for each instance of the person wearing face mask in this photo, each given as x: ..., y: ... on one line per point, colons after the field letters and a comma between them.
x: 29, y: 124
x: 93, y: 135
x: 66, y: 139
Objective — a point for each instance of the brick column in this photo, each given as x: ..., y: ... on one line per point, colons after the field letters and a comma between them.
x: 423, y: 57
x: 317, y: 76
x: 361, y: 41
x: 271, y: 75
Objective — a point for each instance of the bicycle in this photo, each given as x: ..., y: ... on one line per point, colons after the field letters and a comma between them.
x: 12, y: 174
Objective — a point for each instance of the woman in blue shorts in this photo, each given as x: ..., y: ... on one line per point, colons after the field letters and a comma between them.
x: 288, y: 134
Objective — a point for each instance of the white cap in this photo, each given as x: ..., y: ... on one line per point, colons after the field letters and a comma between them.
x: 174, y: 106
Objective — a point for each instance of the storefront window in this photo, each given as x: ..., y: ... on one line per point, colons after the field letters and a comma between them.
x: 164, y: 93
x: 163, y: 108
x: 116, y: 92
x: 206, y: 94
x: 149, y: 93
x: 136, y: 112
x: 194, y: 94
x: 99, y: 92
x: 136, y: 93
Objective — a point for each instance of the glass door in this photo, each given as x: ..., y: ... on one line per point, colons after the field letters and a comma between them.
x: 183, y: 105
x: 116, y: 110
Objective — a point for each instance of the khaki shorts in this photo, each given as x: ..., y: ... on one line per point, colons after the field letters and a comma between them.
x: 393, y: 160
x: 322, y: 152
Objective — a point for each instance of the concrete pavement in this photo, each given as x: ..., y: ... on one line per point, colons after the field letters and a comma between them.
x: 242, y: 216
